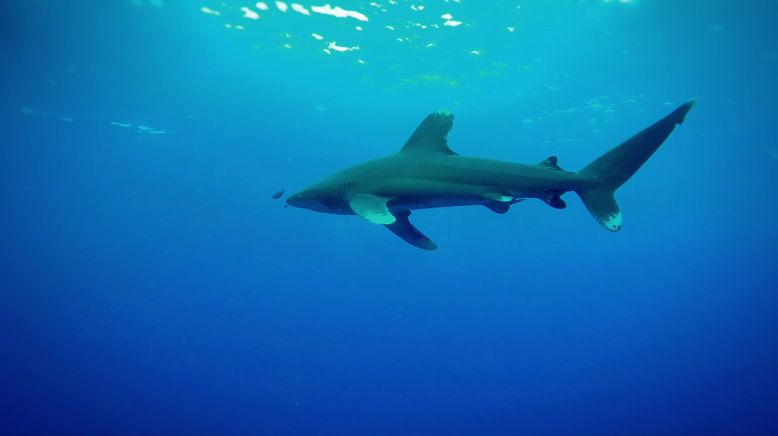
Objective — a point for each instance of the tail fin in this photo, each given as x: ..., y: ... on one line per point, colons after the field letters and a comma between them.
x: 608, y: 172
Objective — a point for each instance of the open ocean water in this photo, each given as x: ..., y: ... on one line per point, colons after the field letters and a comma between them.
x: 149, y: 284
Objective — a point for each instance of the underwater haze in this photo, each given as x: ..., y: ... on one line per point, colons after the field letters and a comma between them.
x: 150, y: 284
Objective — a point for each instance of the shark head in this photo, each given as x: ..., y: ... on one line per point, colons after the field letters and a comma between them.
x: 322, y: 197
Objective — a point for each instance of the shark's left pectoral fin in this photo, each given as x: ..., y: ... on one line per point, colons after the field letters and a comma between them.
x: 372, y: 208
x: 404, y: 229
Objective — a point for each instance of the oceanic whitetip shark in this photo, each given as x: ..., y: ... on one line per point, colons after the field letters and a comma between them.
x: 426, y: 173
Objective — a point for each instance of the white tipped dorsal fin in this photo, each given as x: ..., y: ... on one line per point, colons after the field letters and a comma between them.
x: 372, y: 208
x: 431, y: 135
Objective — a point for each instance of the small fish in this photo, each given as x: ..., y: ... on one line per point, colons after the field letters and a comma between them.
x: 278, y: 194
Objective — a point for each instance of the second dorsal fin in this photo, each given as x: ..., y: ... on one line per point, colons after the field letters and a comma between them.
x: 551, y: 163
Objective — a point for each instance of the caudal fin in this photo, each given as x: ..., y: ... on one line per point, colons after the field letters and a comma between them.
x: 608, y: 172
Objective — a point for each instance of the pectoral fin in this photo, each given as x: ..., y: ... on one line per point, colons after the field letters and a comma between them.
x: 404, y: 229
x: 372, y: 208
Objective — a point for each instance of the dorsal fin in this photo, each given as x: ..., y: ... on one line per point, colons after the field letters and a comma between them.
x: 551, y: 162
x: 431, y: 135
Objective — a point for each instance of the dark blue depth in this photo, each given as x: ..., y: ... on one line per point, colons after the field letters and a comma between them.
x: 149, y: 284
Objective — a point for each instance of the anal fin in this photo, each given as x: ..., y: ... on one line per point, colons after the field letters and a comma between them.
x: 555, y: 201
x: 410, y: 234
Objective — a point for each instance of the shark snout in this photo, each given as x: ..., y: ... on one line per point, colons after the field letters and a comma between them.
x: 294, y: 200
x: 304, y: 199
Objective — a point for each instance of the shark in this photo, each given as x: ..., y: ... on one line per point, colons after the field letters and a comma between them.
x: 427, y: 173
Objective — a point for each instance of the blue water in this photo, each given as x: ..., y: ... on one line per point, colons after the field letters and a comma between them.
x: 150, y: 285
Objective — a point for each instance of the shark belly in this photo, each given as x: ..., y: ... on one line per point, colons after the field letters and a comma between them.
x: 417, y: 193
x: 414, y: 203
